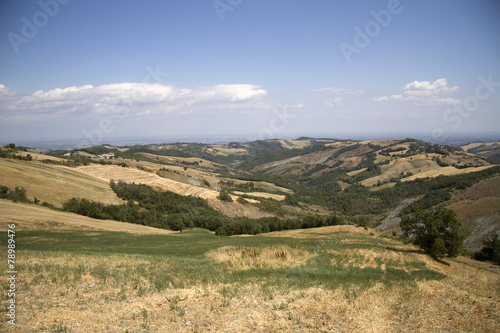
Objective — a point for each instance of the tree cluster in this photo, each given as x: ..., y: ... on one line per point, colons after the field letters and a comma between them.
x: 146, y: 206
x: 17, y: 194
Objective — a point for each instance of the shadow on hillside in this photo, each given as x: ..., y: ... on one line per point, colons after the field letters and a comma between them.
x: 441, y: 261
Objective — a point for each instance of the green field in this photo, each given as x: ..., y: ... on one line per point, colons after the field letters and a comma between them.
x: 184, y: 255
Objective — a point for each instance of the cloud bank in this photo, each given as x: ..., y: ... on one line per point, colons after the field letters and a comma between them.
x: 134, y: 99
x: 424, y: 92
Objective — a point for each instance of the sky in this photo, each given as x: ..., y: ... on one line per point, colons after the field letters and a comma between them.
x: 95, y: 71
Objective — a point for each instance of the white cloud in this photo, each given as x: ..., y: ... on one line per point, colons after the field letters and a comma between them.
x: 336, y: 102
x: 424, y: 92
x: 130, y: 98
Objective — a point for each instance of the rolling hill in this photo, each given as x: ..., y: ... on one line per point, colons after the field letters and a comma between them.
x: 54, y: 184
x: 298, y: 271
x: 288, y: 179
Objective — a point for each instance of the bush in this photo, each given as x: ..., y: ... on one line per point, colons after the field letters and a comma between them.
x: 490, y: 251
x: 3, y: 191
x: 242, y: 200
x: 18, y: 194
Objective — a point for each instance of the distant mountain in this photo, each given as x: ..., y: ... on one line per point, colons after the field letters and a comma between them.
x: 488, y: 149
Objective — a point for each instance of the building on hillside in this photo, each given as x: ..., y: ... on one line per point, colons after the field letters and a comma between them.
x: 108, y: 156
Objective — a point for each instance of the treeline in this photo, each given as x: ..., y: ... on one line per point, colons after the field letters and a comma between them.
x: 244, y: 225
x: 8, y: 151
x: 149, y: 207
x: 5, y: 154
x: 490, y: 250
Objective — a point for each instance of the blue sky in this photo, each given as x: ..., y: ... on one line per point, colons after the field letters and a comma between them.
x: 98, y: 70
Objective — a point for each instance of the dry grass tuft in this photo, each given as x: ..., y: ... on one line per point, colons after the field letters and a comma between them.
x: 252, y: 257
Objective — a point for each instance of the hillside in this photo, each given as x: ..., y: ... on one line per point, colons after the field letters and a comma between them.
x: 54, y: 184
x: 32, y: 217
x: 304, y: 253
x: 488, y: 149
x: 478, y: 208
x: 287, y: 179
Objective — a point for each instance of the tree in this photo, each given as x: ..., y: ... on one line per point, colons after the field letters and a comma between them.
x: 176, y: 222
x: 242, y: 200
x: 224, y: 196
x: 435, y: 230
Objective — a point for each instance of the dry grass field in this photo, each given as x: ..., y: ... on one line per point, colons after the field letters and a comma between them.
x: 54, y: 184
x: 129, y: 175
x: 278, y: 197
x: 420, y: 167
x: 489, y: 149
x: 332, y: 279
x: 33, y: 217
x: 446, y: 171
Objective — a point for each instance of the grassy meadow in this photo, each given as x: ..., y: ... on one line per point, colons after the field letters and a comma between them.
x: 331, y: 279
